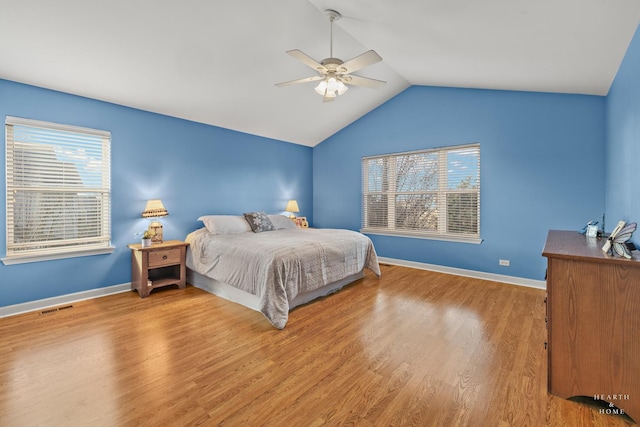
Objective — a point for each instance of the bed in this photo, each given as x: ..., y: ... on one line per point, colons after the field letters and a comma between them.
x: 277, y: 267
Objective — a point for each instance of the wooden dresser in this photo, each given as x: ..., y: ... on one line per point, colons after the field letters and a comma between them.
x: 593, y: 314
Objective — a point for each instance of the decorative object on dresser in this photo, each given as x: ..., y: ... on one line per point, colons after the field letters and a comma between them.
x: 292, y: 207
x: 616, y: 244
x: 593, y: 322
x: 162, y: 264
x: 591, y: 229
x: 155, y: 209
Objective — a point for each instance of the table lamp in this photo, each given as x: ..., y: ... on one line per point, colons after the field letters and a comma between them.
x: 292, y: 206
x: 155, y: 209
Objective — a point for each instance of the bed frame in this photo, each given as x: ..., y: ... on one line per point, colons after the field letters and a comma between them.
x: 228, y: 292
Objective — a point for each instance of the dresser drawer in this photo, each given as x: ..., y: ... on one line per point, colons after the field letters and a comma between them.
x: 164, y: 257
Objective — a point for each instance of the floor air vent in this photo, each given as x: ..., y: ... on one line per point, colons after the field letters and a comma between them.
x: 56, y: 309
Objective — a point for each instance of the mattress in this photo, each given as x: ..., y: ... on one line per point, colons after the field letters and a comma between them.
x: 278, y: 268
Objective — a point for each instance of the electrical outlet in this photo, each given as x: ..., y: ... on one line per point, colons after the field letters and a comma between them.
x: 504, y: 262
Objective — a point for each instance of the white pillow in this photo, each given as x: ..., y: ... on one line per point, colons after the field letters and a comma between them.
x: 225, y: 224
x: 281, y: 221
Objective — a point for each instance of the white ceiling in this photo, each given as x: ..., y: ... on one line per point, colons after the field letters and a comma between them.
x: 216, y: 62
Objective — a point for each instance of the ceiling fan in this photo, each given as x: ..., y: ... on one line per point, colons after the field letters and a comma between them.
x: 334, y: 74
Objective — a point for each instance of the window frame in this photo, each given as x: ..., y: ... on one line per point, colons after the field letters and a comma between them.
x: 440, y: 195
x: 44, y: 177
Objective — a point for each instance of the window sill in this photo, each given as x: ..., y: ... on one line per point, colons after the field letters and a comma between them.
x: 471, y: 240
x: 23, y: 259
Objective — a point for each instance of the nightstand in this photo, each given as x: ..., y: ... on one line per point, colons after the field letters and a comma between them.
x: 161, y: 264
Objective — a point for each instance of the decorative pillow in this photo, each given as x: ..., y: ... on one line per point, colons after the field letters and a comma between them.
x: 259, y: 222
x: 225, y: 224
x: 281, y: 221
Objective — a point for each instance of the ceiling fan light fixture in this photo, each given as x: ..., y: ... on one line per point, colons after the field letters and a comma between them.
x: 332, y: 84
x: 331, y: 87
x: 342, y: 88
x: 321, y: 89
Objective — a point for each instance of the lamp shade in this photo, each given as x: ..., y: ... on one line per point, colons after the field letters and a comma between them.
x: 292, y: 206
x: 154, y: 209
x: 321, y: 89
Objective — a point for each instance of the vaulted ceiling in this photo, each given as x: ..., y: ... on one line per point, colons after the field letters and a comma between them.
x: 217, y: 62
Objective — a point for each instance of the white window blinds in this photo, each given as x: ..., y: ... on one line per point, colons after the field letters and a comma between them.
x: 58, y: 189
x: 430, y: 193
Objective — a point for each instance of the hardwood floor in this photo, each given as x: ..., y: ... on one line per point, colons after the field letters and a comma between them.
x: 411, y: 348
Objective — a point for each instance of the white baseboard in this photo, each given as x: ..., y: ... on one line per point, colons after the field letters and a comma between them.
x: 520, y: 281
x: 12, y: 310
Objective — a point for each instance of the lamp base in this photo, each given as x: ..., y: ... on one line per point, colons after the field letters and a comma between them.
x: 156, y: 228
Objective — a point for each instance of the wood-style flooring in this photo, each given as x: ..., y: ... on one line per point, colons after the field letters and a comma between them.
x: 413, y: 348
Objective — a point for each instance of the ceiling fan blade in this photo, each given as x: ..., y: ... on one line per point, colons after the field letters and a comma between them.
x: 307, y: 60
x: 360, y: 61
x: 362, y: 81
x: 305, y: 80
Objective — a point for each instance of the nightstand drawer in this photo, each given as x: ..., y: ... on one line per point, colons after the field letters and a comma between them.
x: 164, y: 257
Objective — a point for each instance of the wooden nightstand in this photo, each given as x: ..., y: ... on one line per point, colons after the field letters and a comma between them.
x: 160, y: 264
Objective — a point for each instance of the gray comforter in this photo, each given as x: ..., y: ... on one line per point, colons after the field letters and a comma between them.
x: 278, y: 265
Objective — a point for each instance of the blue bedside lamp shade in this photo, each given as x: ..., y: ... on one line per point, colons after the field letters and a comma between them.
x: 292, y: 206
x: 155, y: 209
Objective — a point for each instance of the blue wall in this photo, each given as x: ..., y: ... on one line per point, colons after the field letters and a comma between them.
x: 195, y: 169
x: 542, y: 167
x: 623, y: 141
x: 549, y: 161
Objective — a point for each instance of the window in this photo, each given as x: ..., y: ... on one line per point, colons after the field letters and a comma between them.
x: 58, y: 191
x: 430, y: 193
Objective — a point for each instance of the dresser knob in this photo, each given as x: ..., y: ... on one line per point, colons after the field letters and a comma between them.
x: 164, y: 257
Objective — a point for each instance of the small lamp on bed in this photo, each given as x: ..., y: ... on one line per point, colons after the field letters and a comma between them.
x: 155, y: 209
x: 292, y: 206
